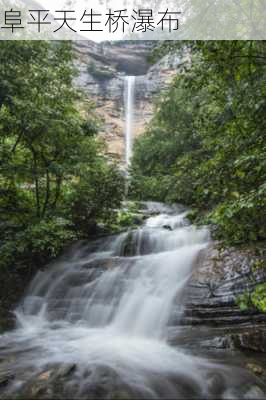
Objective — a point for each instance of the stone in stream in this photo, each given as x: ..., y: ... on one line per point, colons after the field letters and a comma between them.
x: 53, y: 382
x: 168, y: 227
x: 105, y: 383
x: 66, y: 370
x: 60, y: 382
x: 216, y: 383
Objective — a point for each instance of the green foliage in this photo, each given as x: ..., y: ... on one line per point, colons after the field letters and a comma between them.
x: 246, y: 212
x: 52, y: 172
x: 192, y: 215
x: 150, y: 187
x: 206, y: 145
x: 125, y: 218
x: 132, y: 206
x: 37, y: 243
x: 258, y: 297
x: 244, y: 301
x: 95, y: 197
x: 259, y: 265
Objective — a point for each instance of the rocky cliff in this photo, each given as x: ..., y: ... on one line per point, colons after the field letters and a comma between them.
x: 102, y: 69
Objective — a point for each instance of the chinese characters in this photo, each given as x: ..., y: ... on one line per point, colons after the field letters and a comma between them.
x: 135, y: 21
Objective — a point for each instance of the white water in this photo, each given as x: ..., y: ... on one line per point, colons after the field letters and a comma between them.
x: 132, y: 295
x: 109, y: 304
x: 129, y: 116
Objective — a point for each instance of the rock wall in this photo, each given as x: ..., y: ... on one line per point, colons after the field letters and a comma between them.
x: 102, y: 68
x: 220, y: 276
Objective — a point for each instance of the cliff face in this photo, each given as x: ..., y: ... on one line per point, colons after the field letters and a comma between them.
x: 102, y: 70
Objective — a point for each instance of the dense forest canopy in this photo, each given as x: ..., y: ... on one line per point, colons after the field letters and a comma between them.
x: 206, y: 145
x: 55, y: 184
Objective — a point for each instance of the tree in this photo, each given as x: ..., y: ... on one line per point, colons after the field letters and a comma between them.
x: 46, y: 148
x: 206, y: 145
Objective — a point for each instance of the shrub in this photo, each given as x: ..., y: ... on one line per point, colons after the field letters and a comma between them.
x: 241, y: 220
x: 258, y: 297
x: 37, y: 244
x: 95, y: 198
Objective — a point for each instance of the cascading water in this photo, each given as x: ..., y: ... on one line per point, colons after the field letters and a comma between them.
x: 108, y: 305
x: 129, y: 115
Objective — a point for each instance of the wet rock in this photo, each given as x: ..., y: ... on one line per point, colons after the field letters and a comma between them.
x: 256, y: 369
x: 106, y: 384
x: 219, y: 277
x: 244, y: 392
x: 254, y: 393
x: 44, y: 376
x: 215, y: 254
x: 168, y: 227
x: 215, y: 383
x: 185, y: 388
x: 60, y: 382
x: 40, y: 391
x: 53, y: 382
x: 129, y: 246
x: 66, y: 370
x: 138, y: 219
x: 100, y: 266
x: 221, y: 343
x: 254, y: 340
x: 5, y: 378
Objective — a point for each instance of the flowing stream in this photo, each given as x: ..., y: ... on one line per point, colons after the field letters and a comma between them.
x: 106, y: 306
x: 129, y: 115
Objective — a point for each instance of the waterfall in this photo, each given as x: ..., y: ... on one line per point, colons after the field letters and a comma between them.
x: 129, y: 94
x: 106, y: 307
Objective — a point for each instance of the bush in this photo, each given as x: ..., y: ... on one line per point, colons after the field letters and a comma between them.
x: 244, y: 301
x: 95, y: 198
x: 241, y: 220
x: 258, y: 297
x: 37, y: 244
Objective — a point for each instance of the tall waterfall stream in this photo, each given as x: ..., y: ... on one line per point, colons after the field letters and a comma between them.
x: 105, y: 307
x: 129, y: 94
